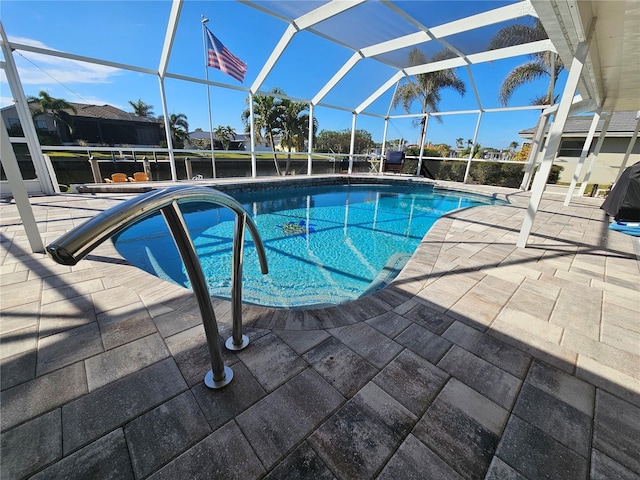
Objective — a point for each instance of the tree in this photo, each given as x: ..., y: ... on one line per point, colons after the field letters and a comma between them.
x: 266, y: 112
x: 340, y: 142
x: 513, y: 145
x: 274, y: 115
x: 141, y: 109
x: 179, y: 128
x: 57, y: 108
x: 426, y: 88
x: 542, y: 64
x: 225, y: 135
x: 294, y: 127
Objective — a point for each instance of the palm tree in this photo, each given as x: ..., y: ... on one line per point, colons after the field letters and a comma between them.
x: 294, y: 127
x: 141, y: 109
x: 179, y: 128
x: 225, y: 135
x: 266, y: 117
x: 427, y: 86
x: 56, y: 107
x: 542, y: 64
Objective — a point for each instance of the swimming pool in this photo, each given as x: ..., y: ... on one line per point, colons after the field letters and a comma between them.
x: 325, y: 245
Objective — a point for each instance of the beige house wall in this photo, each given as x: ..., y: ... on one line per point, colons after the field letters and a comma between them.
x: 607, y: 165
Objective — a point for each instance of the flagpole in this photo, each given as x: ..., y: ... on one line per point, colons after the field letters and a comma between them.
x: 206, y: 67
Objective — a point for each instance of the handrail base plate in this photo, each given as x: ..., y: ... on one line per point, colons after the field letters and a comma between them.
x: 214, y: 385
x: 232, y: 346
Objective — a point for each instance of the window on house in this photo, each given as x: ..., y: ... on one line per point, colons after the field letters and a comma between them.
x: 41, y: 125
x: 571, y: 148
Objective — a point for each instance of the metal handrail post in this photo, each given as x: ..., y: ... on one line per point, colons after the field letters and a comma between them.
x: 237, y: 341
x: 71, y: 247
x: 220, y: 375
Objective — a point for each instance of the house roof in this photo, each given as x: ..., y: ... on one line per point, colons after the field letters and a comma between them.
x: 622, y: 124
x: 108, y: 112
x: 201, y: 134
x: 105, y: 112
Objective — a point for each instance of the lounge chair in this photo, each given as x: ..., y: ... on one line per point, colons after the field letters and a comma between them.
x: 117, y: 178
x: 139, y: 177
x: 394, y: 162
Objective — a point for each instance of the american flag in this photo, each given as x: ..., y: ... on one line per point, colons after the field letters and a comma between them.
x: 219, y: 57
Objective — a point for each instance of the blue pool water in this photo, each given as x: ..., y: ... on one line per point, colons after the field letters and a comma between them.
x: 324, y: 245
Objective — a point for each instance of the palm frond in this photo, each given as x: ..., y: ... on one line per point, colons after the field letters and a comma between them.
x: 520, y: 75
x: 517, y: 35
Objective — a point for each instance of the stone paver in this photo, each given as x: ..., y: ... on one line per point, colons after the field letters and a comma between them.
x: 362, y: 435
x: 481, y: 360
x: 271, y: 425
x: 164, y: 432
x: 223, y: 454
x: 463, y: 428
x: 534, y: 454
x: 99, y: 412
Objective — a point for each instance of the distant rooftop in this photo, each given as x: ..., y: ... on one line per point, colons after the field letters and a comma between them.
x: 622, y: 124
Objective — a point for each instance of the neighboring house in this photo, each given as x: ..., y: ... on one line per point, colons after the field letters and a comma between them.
x: 95, y: 125
x: 611, y: 154
x: 241, y: 142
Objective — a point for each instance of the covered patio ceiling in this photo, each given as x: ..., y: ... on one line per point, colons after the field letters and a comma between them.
x: 611, y: 76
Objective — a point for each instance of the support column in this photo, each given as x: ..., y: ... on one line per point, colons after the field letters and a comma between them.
x: 310, y: 147
x: 632, y: 143
x: 596, y: 152
x: 383, y: 147
x: 47, y: 185
x: 554, y: 138
x: 252, y: 133
x: 167, y: 130
x: 475, y: 139
x: 19, y: 192
x: 535, y: 150
x: 353, y: 142
x: 95, y: 169
x: 583, y: 156
x: 424, y: 135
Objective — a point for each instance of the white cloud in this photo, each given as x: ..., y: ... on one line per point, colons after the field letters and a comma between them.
x: 43, y: 70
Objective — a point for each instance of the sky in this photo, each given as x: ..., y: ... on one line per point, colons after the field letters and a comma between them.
x: 133, y: 32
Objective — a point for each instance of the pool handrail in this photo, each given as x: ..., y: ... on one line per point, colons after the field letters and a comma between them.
x: 74, y: 245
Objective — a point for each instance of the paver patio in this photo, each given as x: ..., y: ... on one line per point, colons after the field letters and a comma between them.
x: 481, y: 360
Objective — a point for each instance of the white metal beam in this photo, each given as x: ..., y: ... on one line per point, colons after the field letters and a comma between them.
x: 632, y: 142
x: 19, y: 191
x: 310, y: 146
x: 536, y: 146
x: 303, y: 22
x: 553, y: 141
x: 353, y: 141
x: 583, y: 156
x: 383, y: 88
x: 493, y: 55
x: 167, y: 130
x: 174, y: 17
x: 424, y: 136
x: 80, y: 58
x: 475, y: 139
x: 277, y: 51
x: 355, y: 58
x: 480, y: 20
x: 596, y: 151
x: 26, y: 121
